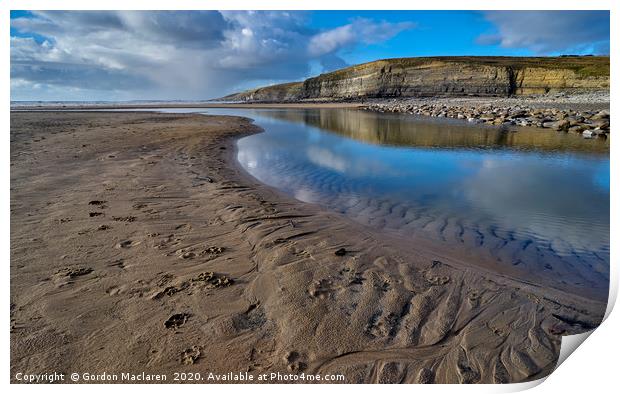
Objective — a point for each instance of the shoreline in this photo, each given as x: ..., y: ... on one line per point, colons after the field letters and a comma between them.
x: 408, y: 315
x: 434, y: 250
x: 587, y: 114
x: 589, y: 120
x: 78, y: 107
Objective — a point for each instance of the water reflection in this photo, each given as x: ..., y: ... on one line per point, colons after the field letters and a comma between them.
x: 534, y: 200
x: 407, y: 130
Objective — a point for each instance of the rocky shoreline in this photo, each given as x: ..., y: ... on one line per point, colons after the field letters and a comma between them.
x: 590, y: 121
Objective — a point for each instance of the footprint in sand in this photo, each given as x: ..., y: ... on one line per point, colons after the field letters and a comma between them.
x: 190, y: 356
x: 168, y: 291
x: 120, y: 263
x: 474, y: 298
x: 213, y: 250
x: 189, y: 254
x: 213, y: 280
x: 207, y: 280
x: 164, y: 279
x: 166, y: 242
x: 321, y: 289
x: 382, y: 326
x: 98, y: 203
x: 294, y: 362
x: 438, y: 280
x: 114, y: 290
x: 65, y: 276
x: 185, y: 254
x: 252, y: 318
x: 128, y: 243
x: 383, y: 286
x: 128, y: 219
x: 73, y: 272
x: 341, y: 252
x: 354, y: 277
x: 304, y: 254
x: 177, y: 320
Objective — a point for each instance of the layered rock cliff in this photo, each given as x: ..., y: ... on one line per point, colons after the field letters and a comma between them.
x: 444, y: 76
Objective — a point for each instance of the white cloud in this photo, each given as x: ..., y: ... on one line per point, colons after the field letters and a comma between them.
x: 550, y: 32
x: 360, y: 30
x: 331, y: 40
x: 326, y: 159
x: 169, y: 54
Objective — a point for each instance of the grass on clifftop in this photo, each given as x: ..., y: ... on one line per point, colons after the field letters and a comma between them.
x: 585, y: 66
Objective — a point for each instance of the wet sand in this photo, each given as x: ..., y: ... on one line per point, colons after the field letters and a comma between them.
x: 139, y: 245
x: 124, y: 106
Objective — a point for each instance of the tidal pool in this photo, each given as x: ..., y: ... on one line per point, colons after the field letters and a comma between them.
x: 535, y: 201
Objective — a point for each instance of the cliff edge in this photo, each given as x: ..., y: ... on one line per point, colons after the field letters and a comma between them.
x: 443, y: 76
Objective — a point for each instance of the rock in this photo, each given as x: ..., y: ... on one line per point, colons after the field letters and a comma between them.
x: 519, y: 114
x: 561, y: 120
x: 575, y: 120
x: 601, y: 124
x: 561, y: 125
x: 604, y: 114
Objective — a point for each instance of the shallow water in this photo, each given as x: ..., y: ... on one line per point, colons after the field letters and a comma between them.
x: 535, y: 201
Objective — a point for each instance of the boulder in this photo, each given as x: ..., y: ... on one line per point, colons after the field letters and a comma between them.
x: 562, y: 125
x: 604, y: 114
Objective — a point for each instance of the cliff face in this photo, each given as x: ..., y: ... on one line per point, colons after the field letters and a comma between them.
x: 397, y: 80
x: 537, y: 80
x: 444, y: 76
x: 276, y: 93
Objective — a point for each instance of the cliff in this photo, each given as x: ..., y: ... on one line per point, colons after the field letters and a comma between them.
x: 444, y: 76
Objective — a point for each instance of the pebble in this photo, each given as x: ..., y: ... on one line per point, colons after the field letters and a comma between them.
x: 587, y: 123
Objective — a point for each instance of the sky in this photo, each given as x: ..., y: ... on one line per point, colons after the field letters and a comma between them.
x: 196, y: 55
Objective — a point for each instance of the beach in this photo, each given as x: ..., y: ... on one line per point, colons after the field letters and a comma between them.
x: 139, y: 246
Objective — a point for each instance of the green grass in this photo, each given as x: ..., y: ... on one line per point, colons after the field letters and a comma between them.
x: 586, y: 66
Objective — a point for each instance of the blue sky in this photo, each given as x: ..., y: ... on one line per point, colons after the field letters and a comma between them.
x: 437, y: 33
x: 125, y: 55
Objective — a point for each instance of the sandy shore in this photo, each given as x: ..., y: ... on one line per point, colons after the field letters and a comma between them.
x: 112, y: 106
x: 138, y: 245
x: 593, y: 101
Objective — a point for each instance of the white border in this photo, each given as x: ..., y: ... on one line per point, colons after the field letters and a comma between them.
x: 593, y: 368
